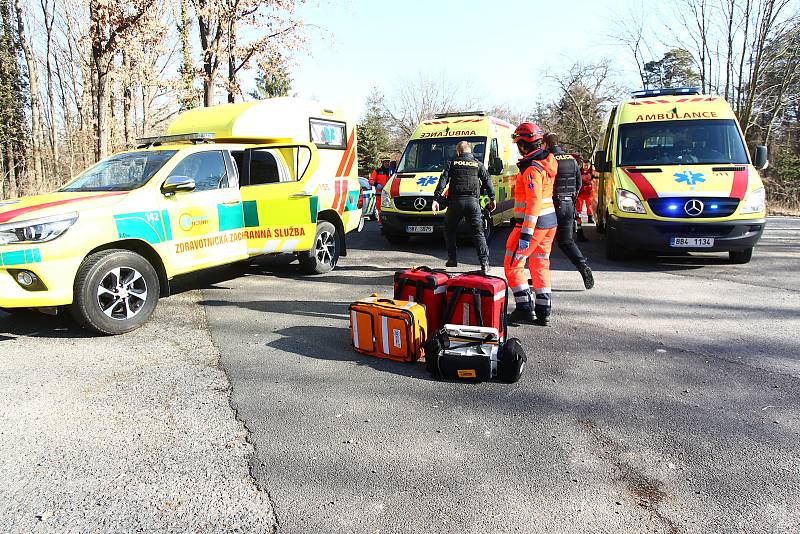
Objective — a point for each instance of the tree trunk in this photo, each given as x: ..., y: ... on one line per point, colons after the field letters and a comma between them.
x: 127, y: 99
x: 33, y: 85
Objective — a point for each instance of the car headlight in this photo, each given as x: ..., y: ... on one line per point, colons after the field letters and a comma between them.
x: 755, y: 202
x: 386, y: 199
x: 36, y: 230
x: 629, y: 202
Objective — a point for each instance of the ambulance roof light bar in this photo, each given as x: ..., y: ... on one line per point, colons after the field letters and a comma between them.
x: 459, y: 114
x: 196, y: 137
x: 666, y: 91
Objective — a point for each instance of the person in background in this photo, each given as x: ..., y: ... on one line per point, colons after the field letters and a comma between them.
x: 584, y: 199
x: 534, y: 227
x: 466, y: 177
x: 565, y: 191
x: 380, y: 176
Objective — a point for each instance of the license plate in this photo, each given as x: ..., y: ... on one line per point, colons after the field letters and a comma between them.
x: 419, y: 229
x: 692, y: 242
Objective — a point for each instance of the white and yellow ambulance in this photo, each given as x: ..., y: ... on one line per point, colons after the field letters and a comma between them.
x: 406, y: 199
x: 223, y: 184
x: 675, y: 175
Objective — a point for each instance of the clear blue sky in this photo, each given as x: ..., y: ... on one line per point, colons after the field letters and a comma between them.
x: 500, y: 48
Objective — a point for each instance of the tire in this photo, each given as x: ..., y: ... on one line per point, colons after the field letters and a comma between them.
x: 324, y: 253
x: 740, y: 256
x: 600, y: 224
x: 397, y: 239
x: 512, y: 361
x: 115, y: 291
x: 614, y: 251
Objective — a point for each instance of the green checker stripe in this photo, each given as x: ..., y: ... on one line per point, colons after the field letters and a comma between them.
x: 352, y: 201
x: 250, y: 208
x: 230, y: 217
x: 20, y: 257
x: 150, y: 226
x: 314, y: 207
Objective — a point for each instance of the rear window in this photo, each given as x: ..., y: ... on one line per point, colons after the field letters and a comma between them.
x: 705, y: 141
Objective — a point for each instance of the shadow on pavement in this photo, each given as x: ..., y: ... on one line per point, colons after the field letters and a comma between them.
x: 35, y: 324
x: 333, y: 343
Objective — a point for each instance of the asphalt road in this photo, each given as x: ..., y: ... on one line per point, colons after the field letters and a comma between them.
x: 667, y: 399
x: 663, y: 400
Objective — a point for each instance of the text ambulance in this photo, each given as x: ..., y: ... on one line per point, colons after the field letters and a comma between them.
x: 224, y: 184
x: 406, y: 200
x: 675, y: 175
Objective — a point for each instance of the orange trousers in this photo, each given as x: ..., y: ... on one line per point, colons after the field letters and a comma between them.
x: 580, y: 202
x: 538, y: 257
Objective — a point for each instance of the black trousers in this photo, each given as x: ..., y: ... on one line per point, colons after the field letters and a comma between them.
x: 565, y: 211
x: 468, y: 208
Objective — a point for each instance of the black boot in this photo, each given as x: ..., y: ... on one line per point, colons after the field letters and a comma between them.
x: 521, y: 316
x: 451, y: 262
x: 586, y: 274
x: 591, y: 220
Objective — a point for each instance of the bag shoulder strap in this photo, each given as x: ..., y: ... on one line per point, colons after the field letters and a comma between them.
x: 451, y: 303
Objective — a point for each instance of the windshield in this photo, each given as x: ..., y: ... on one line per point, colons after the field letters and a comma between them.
x: 681, y: 143
x: 429, y: 155
x: 121, y: 172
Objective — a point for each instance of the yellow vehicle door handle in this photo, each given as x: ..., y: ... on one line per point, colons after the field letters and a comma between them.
x: 232, y: 203
x: 301, y: 195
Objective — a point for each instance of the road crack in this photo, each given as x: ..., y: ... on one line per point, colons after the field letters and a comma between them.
x: 647, y: 492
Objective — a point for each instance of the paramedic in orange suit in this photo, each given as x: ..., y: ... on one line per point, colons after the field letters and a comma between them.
x: 534, y: 227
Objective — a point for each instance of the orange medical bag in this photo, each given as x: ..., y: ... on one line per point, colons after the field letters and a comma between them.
x: 386, y: 328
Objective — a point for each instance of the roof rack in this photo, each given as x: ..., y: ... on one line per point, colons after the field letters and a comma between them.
x: 459, y: 114
x: 197, y: 137
x: 666, y: 91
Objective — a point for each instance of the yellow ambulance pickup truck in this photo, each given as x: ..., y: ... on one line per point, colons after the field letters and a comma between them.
x: 675, y: 176
x: 223, y: 184
x: 406, y: 199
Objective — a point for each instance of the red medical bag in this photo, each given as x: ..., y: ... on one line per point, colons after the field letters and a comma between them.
x: 424, y: 286
x: 477, y: 300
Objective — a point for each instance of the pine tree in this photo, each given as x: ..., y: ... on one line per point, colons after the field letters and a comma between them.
x: 187, y: 96
x: 373, y: 134
x: 13, y: 128
x: 274, y: 82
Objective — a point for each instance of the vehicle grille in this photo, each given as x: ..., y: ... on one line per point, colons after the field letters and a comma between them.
x: 711, y: 207
x: 407, y: 203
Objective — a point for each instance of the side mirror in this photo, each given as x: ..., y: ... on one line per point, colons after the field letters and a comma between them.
x: 601, y: 163
x: 176, y: 184
x: 496, y: 166
x: 760, y: 159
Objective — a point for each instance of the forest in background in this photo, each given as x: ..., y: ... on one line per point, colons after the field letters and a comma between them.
x: 80, y: 79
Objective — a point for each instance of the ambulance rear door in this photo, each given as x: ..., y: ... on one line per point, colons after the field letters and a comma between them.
x: 279, y: 200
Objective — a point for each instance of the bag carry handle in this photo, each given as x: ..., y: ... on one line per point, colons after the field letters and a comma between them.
x: 401, y: 285
x: 476, y: 301
x: 451, y: 304
x: 390, y: 301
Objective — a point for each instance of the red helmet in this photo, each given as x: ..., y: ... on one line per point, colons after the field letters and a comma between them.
x: 528, y: 131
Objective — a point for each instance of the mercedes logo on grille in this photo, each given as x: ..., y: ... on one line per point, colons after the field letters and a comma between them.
x: 420, y: 203
x: 693, y: 207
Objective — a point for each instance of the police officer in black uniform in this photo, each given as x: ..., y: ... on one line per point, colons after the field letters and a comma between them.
x: 565, y: 191
x: 467, y: 178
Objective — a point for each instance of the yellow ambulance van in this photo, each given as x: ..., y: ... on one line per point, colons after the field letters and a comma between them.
x: 675, y: 175
x: 223, y: 184
x: 406, y: 199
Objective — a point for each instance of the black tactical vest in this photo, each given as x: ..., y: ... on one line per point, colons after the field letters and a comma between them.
x: 464, y: 181
x: 567, y: 177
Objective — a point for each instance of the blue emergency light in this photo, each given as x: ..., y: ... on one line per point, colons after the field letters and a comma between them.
x: 666, y: 91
